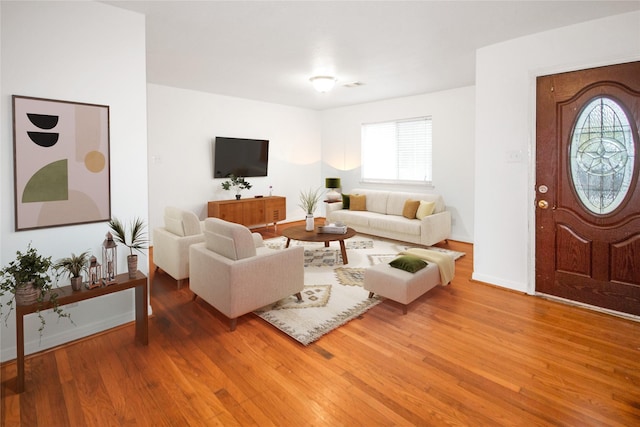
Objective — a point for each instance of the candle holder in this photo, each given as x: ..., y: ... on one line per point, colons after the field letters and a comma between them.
x: 95, y: 273
x: 110, y: 259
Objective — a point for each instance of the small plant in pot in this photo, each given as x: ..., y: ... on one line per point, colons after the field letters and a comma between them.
x: 28, y: 281
x: 309, y: 202
x: 136, y: 239
x: 73, y: 267
x: 238, y: 183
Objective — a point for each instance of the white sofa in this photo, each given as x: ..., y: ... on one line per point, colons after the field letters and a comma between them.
x: 235, y: 273
x: 171, y: 243
x: 384, y: 217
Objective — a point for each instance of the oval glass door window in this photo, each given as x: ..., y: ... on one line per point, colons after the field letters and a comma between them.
x: 602, y: 155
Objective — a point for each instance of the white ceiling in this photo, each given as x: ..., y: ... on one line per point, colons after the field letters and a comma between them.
x: 268, y: 50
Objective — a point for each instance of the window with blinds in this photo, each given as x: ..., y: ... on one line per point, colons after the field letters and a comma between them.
x: 397, y: 151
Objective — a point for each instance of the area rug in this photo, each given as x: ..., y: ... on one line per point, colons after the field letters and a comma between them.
x: 333, y: 293
x: 317, y: 255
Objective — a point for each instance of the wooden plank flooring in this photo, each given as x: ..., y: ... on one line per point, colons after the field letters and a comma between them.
x: 468, y: 355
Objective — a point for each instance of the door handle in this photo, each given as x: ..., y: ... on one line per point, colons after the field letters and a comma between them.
x: 543, y: 204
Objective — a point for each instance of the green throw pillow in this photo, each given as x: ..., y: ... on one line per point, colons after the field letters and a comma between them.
x: 345, y: 201
x: 408, y: 263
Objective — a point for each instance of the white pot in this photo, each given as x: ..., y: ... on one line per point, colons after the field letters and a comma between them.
x: 309, y: 226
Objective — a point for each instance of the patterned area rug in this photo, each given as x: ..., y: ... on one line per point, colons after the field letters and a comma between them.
x: 316, y: 254
x: 333, y: 293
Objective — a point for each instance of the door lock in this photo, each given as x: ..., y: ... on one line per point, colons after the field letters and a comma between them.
x: 543, y: 204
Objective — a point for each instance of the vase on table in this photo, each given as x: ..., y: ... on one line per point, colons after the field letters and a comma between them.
x: 309, y: 225
x: 132, y: 265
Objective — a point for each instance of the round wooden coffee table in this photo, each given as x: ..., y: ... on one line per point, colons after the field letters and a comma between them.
x: 298, y: 232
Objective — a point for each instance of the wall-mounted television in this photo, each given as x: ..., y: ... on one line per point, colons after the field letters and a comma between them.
x: 240, y: 157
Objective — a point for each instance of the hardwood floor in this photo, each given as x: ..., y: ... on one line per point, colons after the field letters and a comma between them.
x: 468, y: 354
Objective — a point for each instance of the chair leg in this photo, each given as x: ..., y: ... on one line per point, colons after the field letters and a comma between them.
x: 299, y: 296
x: 233, y: 324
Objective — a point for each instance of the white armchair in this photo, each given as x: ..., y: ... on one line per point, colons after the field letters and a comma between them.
x: 171, y: 243
x: 235, y: 273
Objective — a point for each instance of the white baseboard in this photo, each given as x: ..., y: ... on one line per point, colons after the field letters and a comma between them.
x: 71, y: 334
x: 498, y: 281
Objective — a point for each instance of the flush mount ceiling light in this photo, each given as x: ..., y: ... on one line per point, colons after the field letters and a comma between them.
x: 323, y: 83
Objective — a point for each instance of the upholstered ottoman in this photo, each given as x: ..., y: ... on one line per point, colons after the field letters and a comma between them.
x: 399, y: 285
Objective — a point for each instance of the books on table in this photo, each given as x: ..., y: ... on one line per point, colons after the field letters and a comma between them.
x: 333, y: 229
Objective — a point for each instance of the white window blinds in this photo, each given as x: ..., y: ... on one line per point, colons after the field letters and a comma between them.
x: 397, y: 151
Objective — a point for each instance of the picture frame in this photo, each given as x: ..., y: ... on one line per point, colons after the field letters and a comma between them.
x: 61, y: 163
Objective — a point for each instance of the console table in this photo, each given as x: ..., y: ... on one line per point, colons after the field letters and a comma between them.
x: 250, y: 211
x: 66, y: 295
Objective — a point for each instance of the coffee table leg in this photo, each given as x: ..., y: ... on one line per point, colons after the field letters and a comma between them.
x: 344, y: 253
x: 288, y: 241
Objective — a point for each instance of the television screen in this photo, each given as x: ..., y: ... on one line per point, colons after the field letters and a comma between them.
x: 240, y: 157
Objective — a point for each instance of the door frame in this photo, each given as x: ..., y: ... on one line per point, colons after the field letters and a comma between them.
x: 531, y: 180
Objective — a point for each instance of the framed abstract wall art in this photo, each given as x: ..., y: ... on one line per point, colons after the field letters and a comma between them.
x: 61, y: 163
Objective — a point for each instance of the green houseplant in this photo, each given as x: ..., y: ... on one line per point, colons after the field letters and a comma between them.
x: 73, y: 267
x: 28, y: 280
x: 236, y: 182
x: 309, y: 202
x: 134, y: 239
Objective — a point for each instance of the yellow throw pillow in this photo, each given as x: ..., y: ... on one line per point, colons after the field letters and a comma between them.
x: 410, y: 208
x: 358, y: 202
x: 425, y: 209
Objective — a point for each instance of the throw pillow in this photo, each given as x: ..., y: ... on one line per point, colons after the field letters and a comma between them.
x: 358, y: 202
x: 345, y: 201
x: 191, y: 223
x: 425, y: 209
x: 408, y: 263
x: 410, y: 208
x: 174, y: 225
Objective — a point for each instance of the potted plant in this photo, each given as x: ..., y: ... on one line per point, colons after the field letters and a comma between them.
x: 309, y: 202
x: 135, y: 239
x: 73, y: 267
x: 236, y: 182
x: 28, y: 281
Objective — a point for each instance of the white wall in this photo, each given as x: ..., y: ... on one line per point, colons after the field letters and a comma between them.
x: 182, y: 126
x: 86, y: 52
x: 505, y: 118
x: 453, y: 114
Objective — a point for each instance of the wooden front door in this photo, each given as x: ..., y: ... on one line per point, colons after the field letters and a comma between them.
x: 587, y: 189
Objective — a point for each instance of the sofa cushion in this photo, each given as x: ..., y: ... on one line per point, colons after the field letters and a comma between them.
x: 173, y: 220
x: 358, y: 202
x: 243, y: 243
x: 410, y: 208
x: 395, y: 224
x: 396, y: 201
x: 425, y: 209
x: 190, y: 223
x: 345, y: 201
x: 408, y: 263
x: 353, y: 218
x: 174, y: 226
x: 377, y: 201
x: 220, y: 244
